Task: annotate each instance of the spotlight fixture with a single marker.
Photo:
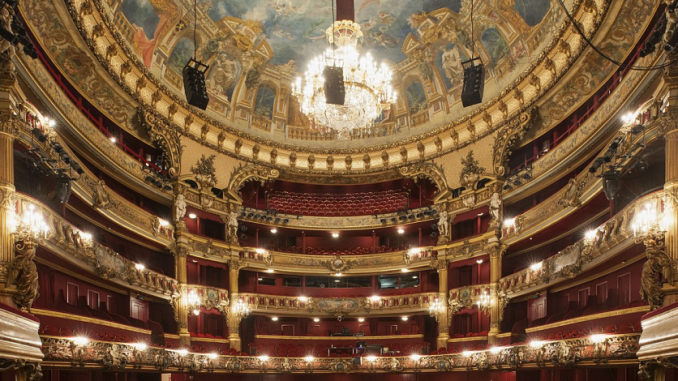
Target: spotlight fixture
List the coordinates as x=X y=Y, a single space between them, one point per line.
x=113 y=139
x=140 y=346
x=316 y=319
x=39 y=135
x=270 y=270
x=80 y=340
x=360 y=320
x=182 y=352
x=611 y=183
x=335 y=235
x=401 y=231
x=192 y=216
x=63 y=186
x=274 y=230
x=139 y=266
x=274 y=318
x=536 y=266
x=404 y=318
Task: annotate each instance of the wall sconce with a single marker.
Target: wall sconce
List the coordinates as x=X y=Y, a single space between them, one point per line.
x=193 y=302
x=30 y=226
x=241 y=309
x=483 y=302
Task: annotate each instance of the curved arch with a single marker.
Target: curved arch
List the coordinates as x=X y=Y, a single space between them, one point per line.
x=246 y=173
x=508 y=137
x=430 y=171
x=164 y=137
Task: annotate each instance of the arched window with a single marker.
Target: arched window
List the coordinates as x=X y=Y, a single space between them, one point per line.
x=416 y=98
x=263 y=105
x=495 y=45
x=181 y=54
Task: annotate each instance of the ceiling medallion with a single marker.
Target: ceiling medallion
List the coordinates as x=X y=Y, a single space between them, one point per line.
x=368 y=89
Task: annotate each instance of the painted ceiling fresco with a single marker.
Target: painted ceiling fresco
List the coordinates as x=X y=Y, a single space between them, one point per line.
x=296 y=28
x=422 y=39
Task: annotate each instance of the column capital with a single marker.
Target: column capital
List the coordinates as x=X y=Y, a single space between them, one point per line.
x=9 y=126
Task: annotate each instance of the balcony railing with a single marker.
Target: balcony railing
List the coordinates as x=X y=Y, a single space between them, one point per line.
x=611 y=238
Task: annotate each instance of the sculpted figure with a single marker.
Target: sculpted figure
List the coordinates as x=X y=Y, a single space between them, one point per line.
x=443 y=224
x=495 y=206
x=179 y=207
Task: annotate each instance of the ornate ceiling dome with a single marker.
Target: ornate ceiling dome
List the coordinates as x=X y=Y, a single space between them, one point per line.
x=256 y=48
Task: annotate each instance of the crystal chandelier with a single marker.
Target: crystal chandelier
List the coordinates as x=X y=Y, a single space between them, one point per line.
x=367 y=86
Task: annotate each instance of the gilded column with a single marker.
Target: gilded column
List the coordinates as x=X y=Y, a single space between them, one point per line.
x=444 y=316
x=233 y=319
x=496 y=301
x=7 y=135
x=671 y=209
x=180 y=301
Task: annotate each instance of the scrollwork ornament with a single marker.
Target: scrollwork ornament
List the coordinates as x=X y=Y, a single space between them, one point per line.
x=651 y=278
x=23 y=273
x=114 y=358
x=33 y=370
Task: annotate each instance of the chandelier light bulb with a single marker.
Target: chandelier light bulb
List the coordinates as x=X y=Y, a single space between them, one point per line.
x=367 y=85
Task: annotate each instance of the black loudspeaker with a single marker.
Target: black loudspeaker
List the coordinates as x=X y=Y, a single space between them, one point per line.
x=63 y=187
x=611 y=183
x=335 y=93
x=474 y=82
x=194 y=84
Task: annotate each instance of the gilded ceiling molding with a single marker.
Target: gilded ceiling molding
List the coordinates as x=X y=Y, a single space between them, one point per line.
x=506 y=139
x=250 y=172
x=85 y=24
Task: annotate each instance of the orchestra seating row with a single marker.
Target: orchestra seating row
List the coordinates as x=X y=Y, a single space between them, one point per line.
x=327 y=204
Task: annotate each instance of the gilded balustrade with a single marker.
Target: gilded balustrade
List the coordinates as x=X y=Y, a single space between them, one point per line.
x=335 y=222
x=582 y=188
x=610 y=238
x=76 y=247
x=593 y=350
x=338 y=306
